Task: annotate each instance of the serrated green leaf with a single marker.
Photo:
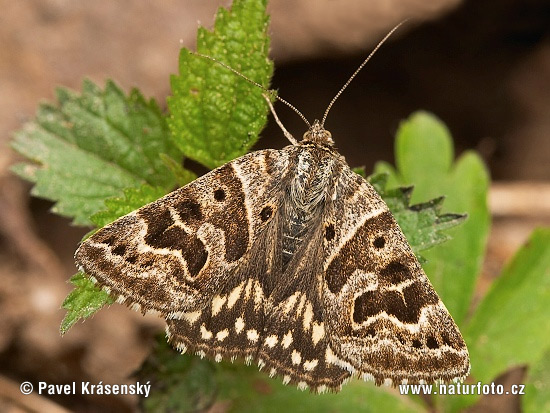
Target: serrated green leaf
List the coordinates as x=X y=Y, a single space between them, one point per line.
x=83 y=301
x=424 y=154
x=133 y=199
x=93 y=145
x=186 y=383
x=360 y=170
x=181 y=175
x=422 y=224
x=511 y=325
x=216 y=115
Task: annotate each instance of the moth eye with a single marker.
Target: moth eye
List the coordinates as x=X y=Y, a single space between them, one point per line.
x=219 y=195
x=266 y=213
x=329 y=232
x=416 y=343
x=379 y=242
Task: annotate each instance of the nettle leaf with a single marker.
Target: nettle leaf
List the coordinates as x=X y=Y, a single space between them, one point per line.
x=187 y=383
x=91 y=146
x=424 y=158
x=83 y=301
x=423 y=224
x=216 y=116
x=133 y=199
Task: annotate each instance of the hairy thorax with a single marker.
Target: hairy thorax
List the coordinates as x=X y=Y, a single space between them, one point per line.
x=307 y=195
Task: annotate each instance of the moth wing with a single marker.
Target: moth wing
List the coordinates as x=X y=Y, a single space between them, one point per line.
x=294 y=343
x=174 y=254
x=231 y=324
x=384 y=319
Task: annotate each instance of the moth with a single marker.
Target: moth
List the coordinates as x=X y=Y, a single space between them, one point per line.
x=286 y=258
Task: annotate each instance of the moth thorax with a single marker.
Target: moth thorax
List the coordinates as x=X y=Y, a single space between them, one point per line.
x=306 y=198
x=318 y=134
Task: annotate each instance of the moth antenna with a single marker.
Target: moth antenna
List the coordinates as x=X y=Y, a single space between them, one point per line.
x=380 y=43
x=287 y=134
x=267 y=91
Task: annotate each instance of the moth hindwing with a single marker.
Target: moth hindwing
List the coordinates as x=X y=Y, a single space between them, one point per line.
x=288 y=259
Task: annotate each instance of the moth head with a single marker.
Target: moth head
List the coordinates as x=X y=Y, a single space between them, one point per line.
x=318 y=134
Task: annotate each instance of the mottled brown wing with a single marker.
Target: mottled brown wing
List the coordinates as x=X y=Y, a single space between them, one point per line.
x=175 y=254
x=294 y=343
x=384 y=320
x=231 y=325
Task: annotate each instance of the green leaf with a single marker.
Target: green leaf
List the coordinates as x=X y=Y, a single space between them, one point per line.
x=424 y=154
x=216 y=115
x=179 y=383
x=187 y=383
x=133 y=199
x=181 y=175
x=90 y=146
x=511 y=325
x=83 y=301
x=423 y=224
x=257 y=392
x=537 y=389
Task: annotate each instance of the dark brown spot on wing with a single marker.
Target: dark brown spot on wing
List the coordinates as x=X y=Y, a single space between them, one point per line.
x=161 y=233
x=357 y=252
x=189 y=210
x=120 y=249
x=431 y=342
x=406 y=308
x=232 y=219
x=266 y=213
x=395 y=273
x=158 y=221
x=219 y=195
x=329 y=232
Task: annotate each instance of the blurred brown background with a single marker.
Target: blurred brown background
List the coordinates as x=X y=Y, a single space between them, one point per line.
x=482 y=67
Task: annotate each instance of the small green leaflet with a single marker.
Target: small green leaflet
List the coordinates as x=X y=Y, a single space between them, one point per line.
x=216 y=116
